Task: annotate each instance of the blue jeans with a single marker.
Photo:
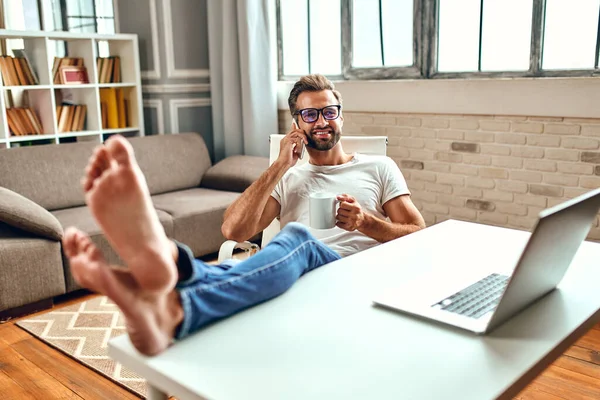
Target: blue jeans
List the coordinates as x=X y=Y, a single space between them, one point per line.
x=211 y=292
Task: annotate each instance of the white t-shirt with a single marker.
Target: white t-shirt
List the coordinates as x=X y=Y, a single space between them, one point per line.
x=371 y=180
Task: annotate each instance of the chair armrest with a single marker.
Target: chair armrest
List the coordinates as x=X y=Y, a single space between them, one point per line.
x=235 y=173
x=22 y=213
x=228 y=247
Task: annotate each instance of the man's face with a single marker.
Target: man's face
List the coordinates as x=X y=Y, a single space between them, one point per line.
x=322 y=134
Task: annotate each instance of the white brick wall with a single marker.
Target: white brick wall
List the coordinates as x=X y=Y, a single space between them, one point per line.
x=510 y=167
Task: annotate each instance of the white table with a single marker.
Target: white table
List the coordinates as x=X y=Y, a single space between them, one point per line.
x=324 y=339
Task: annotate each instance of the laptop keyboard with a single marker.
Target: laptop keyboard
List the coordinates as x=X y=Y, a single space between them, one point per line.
x=478 y=299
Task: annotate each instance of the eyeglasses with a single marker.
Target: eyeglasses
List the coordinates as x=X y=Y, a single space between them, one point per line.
x=310 y=115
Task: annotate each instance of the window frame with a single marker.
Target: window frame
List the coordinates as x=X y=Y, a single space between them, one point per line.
x=350 y=72
x=425 y=50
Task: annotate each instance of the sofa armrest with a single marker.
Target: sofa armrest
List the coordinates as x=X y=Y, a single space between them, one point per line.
x=234 y=173
x=22 y=213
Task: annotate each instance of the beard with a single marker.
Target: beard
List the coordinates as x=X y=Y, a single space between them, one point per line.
x=321 y=144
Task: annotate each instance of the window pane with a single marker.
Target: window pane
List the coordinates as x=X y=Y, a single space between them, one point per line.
x=366 y=44
x=570 y=34
x=325 y=37
x=21 y=15
x=105 y=17
x=80 y=16
x=458 y=37
x=294 y=32
x=506 y=36
x=51 y=15
x=397 y=32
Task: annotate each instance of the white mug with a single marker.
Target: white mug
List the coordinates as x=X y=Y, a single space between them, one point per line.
x=322 y=210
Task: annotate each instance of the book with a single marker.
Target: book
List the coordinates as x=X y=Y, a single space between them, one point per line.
x=116 y=75
x=107 y=70
x=25 y=121
x=72 y=74
x=81 y=119
x=104 y=115
x=75 y=123
x=70 y=116
x=22 y=54
x=9 y=75
x=121 y=108
x=20 y=128
x=63 y=119
x=109 y=97
x=35 y=121
x=20 y=72
x=12 y=123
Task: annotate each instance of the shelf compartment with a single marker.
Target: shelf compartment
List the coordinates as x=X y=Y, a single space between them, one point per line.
x=87 y=96
x=81 y=48
x=110 y=102
x=39 y=100
x=126 y=52
x=37 y=53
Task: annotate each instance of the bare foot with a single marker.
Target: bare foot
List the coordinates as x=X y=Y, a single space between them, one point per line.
x=152 y=317
x=118 y=196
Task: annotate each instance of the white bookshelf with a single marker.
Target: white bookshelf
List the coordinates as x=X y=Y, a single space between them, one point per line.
x=40 y=47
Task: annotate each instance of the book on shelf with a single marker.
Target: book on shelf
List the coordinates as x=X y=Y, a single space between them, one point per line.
x=60 y=65
x=73 y=75
x=70 y=117
x=114 y=108
x=16 y=71
x=109 y=69
x=23 y=121
x=23 y=58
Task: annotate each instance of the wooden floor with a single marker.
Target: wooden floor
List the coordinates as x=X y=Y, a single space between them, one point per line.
x=29 y=369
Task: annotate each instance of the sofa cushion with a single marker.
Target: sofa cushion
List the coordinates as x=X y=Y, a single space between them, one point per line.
x=235 y=173
x=22 y=213
x=81 y=218
x=172 y=162
x=31 y=268
x=197 y=216
x=49 y=175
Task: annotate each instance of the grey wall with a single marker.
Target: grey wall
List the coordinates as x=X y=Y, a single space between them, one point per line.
x=173 y=40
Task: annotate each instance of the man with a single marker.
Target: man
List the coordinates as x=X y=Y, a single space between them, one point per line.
x=165 y=293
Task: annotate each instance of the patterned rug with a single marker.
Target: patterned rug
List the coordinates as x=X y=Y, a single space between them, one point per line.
x=82 y=331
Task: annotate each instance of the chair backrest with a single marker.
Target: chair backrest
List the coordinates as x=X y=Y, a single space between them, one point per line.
x=375 y=145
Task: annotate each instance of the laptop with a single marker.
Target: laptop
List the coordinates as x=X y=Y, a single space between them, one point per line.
x=482 y=303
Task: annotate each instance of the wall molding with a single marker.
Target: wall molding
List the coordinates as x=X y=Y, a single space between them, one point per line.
x=544 y=97
x=155 y=72
x=177 y=88
x=172 y=72
x=160 y=116
x=176 y=104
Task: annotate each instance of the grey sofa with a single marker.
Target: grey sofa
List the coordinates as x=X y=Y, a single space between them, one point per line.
x=40 y=195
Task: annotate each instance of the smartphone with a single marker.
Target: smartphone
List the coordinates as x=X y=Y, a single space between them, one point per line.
x=303 y=144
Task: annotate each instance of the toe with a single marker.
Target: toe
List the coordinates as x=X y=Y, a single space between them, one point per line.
x=103 y=158
x=120 y=150
x=69 y=241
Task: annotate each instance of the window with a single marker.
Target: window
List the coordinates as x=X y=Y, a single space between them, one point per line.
x=60 y=15
x=349 y=38
x=379 y=39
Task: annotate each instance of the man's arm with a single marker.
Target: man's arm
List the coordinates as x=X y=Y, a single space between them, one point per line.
x=254 y=210
x=404 y=216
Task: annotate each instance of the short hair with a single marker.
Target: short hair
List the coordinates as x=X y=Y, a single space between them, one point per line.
x=310 y=83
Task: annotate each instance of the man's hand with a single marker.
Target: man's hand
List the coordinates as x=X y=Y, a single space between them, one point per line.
x=290 y=147
x=350 y=215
